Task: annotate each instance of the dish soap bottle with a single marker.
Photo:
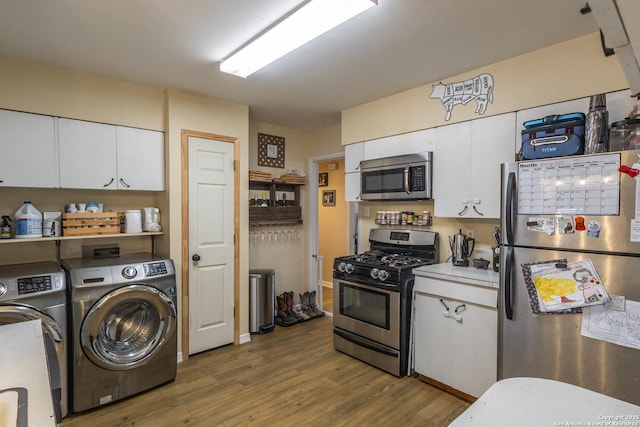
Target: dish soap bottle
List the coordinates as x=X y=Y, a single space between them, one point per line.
x=5 y=228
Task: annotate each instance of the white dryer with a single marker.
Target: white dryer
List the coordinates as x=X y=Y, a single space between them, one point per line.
x=37 y=291
x=124 y=327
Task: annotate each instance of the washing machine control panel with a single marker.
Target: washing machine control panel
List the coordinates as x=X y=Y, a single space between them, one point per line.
x=155 y=269
x=30 y=285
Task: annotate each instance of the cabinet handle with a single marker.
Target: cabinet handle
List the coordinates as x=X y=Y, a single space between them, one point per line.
x=195 y=257
x=477 y=211
x=458 y=309
x=445 y=312
x=124 y=183
x=108 y=183
x=464 y=211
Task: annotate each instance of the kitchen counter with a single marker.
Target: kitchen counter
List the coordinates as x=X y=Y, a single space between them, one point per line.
x=25 y=393
x=539 y=402
x=470 y=275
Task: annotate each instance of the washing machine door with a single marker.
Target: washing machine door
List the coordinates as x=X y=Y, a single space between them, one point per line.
x=53 y=344
x=125 y=327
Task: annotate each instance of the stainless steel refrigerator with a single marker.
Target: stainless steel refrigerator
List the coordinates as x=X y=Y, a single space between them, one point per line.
x=569 y=209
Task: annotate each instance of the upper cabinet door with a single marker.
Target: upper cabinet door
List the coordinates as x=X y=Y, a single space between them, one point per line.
x=491 y=146
x=452 y=170
x=353 y=155
x=466 y=174
x=87 y=154
x=29 y=155
x=140 y=159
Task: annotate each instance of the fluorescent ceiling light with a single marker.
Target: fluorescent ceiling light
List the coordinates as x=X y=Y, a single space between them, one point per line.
x=306 y=23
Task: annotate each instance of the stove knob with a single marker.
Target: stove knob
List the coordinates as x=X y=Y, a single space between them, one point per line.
x=374 y=273
x=129 y=272
x=349 y=268
x=383 y=275
x=341 y=267
x=3 y=289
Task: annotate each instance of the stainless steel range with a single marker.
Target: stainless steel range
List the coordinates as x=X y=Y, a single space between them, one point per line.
x=372 y=296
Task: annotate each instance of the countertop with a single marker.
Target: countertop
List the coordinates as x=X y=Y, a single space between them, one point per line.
x=471 y=275
x=538 y=402
x=24 y=378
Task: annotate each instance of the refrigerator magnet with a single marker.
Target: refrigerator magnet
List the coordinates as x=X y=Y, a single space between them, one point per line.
x=635 y=230
x=593 y=229
x=580 y=224
x=565 y=225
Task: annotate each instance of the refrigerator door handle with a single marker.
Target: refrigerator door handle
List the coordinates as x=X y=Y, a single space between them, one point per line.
x=510 y=211
x=508 y=283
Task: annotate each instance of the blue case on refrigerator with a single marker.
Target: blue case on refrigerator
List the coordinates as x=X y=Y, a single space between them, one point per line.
x=553 y=136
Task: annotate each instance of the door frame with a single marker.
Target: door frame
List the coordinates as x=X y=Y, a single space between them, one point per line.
x=313 y=218
x=185 y=134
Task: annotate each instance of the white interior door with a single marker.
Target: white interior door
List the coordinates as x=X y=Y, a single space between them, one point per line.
x=211 y=244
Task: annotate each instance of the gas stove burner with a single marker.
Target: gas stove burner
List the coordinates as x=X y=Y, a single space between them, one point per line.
x=399 y=261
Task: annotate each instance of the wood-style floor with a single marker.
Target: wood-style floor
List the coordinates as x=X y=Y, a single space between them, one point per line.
x=291 y=376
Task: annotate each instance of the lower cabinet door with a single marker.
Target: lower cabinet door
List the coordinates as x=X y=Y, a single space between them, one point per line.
x=459 y=352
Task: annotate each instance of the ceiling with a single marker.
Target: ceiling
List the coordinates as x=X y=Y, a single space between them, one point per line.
x=390 y=48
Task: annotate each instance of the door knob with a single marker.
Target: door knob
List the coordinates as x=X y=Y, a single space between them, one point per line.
x=195 y=257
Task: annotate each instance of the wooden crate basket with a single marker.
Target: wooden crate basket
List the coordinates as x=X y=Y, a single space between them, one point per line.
x=89 y=223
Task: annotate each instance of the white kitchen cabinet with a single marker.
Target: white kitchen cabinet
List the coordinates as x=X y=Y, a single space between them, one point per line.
x=29 y=153
x=353 y=155
x=87 y=154
x=457 y=349
x=352 y=187
x=466 y=176
x=102 y=156
x=140 y=159
x=397 y=145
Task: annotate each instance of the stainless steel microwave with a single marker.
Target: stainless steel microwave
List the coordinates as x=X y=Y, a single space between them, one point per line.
x=405 y=177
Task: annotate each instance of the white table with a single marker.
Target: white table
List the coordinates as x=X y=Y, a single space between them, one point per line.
x=537 y=402
x=24 y=376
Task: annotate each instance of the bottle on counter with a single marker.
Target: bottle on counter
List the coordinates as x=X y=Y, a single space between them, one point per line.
x=28 y=222
x=5 y=228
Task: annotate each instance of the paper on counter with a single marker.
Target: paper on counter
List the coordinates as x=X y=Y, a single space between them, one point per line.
x=614 y=326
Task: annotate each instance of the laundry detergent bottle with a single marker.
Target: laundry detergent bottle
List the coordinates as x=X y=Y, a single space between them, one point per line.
x=28 y=222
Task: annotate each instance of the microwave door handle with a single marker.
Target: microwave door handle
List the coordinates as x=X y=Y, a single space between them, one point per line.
x=406 y=180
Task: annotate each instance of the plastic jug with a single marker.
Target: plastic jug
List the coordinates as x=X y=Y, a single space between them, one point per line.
x=28 y=222
x=133 y=221
x=151 y=219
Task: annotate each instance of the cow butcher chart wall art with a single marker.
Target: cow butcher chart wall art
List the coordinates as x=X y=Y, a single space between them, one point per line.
x=479 y=88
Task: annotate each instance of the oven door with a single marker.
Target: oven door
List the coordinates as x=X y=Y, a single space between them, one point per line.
x=367 y=311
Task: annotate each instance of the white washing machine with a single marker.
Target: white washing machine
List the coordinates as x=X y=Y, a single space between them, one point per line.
x=37 y=291
x=124 y=327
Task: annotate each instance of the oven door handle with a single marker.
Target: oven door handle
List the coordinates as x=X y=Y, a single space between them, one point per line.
x=365 y=343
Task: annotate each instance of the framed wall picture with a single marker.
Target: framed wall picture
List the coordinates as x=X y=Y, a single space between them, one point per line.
x=270 y=150
x=328 y=197
x=323 y=179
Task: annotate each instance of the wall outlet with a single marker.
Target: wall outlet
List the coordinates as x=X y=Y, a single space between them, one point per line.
x=366 y=212
x=469 y=234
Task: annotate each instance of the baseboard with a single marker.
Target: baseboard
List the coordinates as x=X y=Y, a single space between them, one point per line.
x=327 y=284
x=245 y=338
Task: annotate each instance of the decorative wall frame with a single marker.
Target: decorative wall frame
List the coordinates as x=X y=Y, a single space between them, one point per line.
x=323 y=179
x=270 y=151
x=328 y=197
